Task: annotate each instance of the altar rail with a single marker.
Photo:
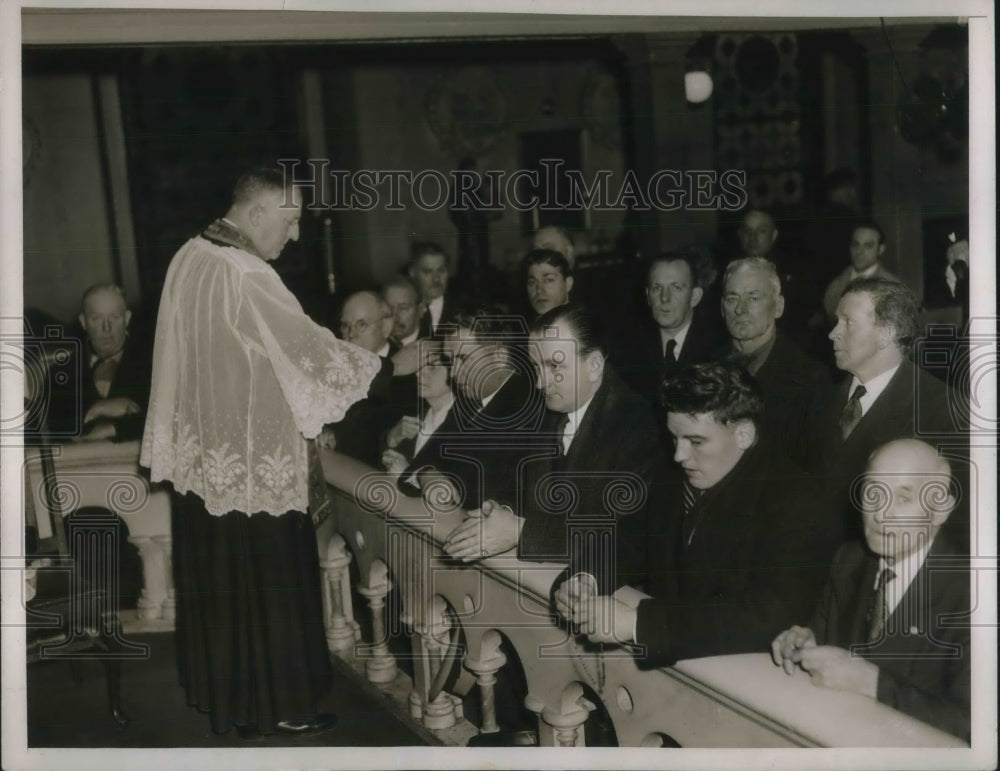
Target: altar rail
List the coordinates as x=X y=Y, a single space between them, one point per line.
x=726 y=701
x=394 y=541
x=108 y=475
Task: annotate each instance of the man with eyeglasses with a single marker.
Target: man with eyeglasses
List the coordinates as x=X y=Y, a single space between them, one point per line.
x=795 y=387
x=366 y=320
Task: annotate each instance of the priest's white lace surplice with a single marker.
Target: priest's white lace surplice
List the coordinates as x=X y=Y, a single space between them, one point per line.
x=241 y=379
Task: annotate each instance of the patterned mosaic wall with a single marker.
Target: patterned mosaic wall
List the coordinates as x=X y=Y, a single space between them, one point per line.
x=758 y=118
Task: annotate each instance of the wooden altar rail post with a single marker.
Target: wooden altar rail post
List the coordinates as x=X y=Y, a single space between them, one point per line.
x=108 y=475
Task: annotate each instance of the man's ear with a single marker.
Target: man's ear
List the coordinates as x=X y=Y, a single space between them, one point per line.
x=886 y=336
x=774 y=236
x=386 y=326
x=881 y=249
x=940 y=511
x=746 y=434
x=82 y=319
x=938 y=499
x=254 y=213
x=696 y=294
x=569 y=284
x=128 y=317
x=594 y=363
x=779 y=306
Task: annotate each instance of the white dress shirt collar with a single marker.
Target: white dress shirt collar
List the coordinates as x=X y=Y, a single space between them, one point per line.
x=575 y=418
x=432 y=422
x=680 y=337
x=866 y=273
x=488 y=399
x=873 y=388
x=436 y=307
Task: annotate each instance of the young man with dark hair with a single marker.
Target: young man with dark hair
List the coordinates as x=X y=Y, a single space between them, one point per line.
x=549 y=279
x=737 y=543
x=867 y=245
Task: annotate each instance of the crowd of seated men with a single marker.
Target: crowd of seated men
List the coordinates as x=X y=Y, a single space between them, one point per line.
x=763 y=486
x=762 y=497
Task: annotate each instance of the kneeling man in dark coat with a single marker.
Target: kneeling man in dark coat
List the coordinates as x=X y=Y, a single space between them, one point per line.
x=737 y=544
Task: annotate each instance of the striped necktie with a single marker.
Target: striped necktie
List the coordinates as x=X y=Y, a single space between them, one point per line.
x=691 y=496
x=426 y=327
x=851 y=415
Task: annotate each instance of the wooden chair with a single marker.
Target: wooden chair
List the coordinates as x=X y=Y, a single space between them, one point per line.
x=73 y=616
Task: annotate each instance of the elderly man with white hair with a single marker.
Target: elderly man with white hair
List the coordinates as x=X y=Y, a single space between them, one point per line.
x=795 y=387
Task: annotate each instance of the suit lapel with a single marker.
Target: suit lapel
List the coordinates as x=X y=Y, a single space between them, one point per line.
x=588 y=433
x=860 y=594
x=888 y=415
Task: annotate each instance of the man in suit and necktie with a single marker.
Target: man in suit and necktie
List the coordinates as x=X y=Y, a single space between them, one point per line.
x=890 y=624
x=738 y=543
x=496 y=417
x=677 y=337
x=404 y=302
x=884 y=397
x=866 y=249
x=598 y=468
x=548 y=278
x=405 y=442
x=366 y=321
x=105 y=396
x=428 y=270
x=795 y=387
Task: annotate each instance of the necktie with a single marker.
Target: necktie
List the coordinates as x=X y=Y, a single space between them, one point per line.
x=670 y=355
x=561 y=422
x=104 y=373
x=879 y=612
x=851 y=415
x=691 y=496
x=426 y=327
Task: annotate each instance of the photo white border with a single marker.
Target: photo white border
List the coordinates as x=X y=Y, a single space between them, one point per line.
x=982 y=208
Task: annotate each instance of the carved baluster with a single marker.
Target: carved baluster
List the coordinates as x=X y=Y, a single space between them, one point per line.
x=562 y=723
x=338 y=611
x=485 y=668
x=381 y=666
x=169 y=605
x=439 y=711
x=154 y=590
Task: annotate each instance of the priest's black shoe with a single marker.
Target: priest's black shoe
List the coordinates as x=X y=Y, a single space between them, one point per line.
x=322 y=722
